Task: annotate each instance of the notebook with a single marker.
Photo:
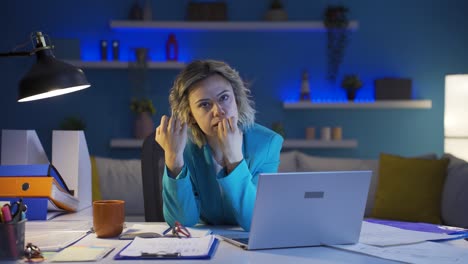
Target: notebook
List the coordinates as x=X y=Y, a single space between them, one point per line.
x=299 y=209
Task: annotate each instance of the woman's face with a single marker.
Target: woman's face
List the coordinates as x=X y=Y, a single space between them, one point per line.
x=212 y=100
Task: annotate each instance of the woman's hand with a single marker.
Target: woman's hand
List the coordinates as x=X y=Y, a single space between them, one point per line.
x=230 y=142
x=171 y=134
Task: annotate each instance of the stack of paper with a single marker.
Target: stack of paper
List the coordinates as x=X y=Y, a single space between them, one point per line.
x=406 y=245
x=382 y=235
x=55 y=235
x=82 y=253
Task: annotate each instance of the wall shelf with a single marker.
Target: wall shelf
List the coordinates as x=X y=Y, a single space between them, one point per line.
x=126 y=143
x=289 y=143
x=223 y=26
x=125 y=64
x=381 y=104
x=305 y=143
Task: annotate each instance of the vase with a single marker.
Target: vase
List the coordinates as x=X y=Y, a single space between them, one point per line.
x=143 y=125
x=136 y=12
x=351 y=93
x=276 y=15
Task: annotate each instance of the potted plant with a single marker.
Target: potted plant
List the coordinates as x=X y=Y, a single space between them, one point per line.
x=278 y=128
x=276 y=12
x=336 y=22
x=144 y=109
x=73 y=123
x=351 y=84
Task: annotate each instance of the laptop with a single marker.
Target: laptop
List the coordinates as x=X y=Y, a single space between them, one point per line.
x=300 y=209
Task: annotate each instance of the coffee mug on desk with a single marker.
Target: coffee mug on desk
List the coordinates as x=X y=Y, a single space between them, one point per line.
x=108 y=217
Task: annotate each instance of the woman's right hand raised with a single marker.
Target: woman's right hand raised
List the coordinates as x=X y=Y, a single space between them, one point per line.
x=171 y=134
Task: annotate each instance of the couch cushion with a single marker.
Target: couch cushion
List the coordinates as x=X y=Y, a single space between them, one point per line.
x=455 y=193
x=120 y=179
x=288 y=161
x=313 y=163
x=409 y=189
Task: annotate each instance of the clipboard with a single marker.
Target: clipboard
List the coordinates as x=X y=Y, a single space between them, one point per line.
x=144 y=256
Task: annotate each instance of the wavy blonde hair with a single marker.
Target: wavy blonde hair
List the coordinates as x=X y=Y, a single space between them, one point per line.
x=197 y=71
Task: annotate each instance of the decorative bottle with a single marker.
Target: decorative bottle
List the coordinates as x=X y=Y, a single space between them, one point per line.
x=136 y=12
x=115 y=50
x=305 y=90
x=103 y=46
x=147 y=11
x=172 y=49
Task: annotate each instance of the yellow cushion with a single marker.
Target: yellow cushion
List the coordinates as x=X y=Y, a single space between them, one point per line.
x=95 y=180
x=410 y=189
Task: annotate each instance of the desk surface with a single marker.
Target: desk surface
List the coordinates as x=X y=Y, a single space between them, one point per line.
x=227 y=253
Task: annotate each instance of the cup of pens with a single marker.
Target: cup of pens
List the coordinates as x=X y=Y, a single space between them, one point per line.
x=12 y=240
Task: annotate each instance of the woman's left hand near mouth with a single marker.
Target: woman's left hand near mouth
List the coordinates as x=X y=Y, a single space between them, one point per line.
x=230 y=141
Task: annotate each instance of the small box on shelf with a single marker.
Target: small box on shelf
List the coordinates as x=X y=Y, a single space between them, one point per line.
x=392 y=89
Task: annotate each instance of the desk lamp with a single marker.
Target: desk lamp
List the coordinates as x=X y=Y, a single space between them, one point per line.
x=48 y=77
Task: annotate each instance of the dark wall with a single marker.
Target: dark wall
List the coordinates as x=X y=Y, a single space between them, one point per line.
x=412 y=39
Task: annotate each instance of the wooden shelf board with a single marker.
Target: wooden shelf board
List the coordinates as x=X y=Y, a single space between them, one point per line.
x=303 y=143
x=124 y=64
x=126 y=143
x=224 y=25
x=382 y=104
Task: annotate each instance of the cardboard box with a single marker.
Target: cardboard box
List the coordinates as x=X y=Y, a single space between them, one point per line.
x=393 y=89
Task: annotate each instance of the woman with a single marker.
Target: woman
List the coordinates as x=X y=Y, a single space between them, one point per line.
x=212 y=175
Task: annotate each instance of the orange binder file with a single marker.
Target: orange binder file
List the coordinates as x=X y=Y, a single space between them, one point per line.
x=38 y=187
x=41 y=181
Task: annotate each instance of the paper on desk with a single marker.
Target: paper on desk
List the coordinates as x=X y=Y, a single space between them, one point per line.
x=382 y=235
x=45 y=226
x=82 y=253
x=424 y=253
x=187 y=247
x=160 y=228
x=53 y=240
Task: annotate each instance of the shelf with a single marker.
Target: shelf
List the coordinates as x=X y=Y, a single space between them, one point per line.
x=223 y=26
x=382 y=104
x=303 y=143
x=290 y=143
x=125 y=64
x=126 y=143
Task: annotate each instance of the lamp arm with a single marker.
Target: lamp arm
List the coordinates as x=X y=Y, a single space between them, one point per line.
x=17 y=54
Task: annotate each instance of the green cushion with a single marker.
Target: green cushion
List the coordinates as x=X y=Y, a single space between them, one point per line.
x=410 y=189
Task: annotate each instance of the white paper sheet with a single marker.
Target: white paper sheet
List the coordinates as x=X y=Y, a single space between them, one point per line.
x=187 y=247
x=424 y=253
x=382 y=235
x=160 y=228
x=53 y=240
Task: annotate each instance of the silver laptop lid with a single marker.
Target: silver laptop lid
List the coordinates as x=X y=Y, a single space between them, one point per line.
x=308 y=209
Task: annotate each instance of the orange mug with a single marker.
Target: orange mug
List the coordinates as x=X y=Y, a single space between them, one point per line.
x=108 y=217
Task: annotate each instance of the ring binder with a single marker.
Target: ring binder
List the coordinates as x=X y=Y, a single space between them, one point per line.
x=160 y=255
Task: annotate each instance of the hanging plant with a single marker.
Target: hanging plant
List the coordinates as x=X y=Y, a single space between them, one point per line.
x=336 y=22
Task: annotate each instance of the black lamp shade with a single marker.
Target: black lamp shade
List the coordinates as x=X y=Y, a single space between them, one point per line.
x=50 y=77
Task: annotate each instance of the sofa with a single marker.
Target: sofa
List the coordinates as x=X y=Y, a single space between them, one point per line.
x=123 y=179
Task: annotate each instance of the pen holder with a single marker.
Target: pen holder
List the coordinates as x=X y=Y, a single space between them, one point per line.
x=12 y=240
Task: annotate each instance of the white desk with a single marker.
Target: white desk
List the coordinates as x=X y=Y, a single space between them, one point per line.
x=227 y=253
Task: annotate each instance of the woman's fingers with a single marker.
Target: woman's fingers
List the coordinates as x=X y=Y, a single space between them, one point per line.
x=233 y=123
x=163 y=125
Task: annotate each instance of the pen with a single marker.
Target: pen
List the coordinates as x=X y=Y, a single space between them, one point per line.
x=6 y=214
x=10 y=230
x=167 y=231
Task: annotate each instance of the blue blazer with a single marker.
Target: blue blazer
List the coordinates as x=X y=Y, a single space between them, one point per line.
x=198 y=193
